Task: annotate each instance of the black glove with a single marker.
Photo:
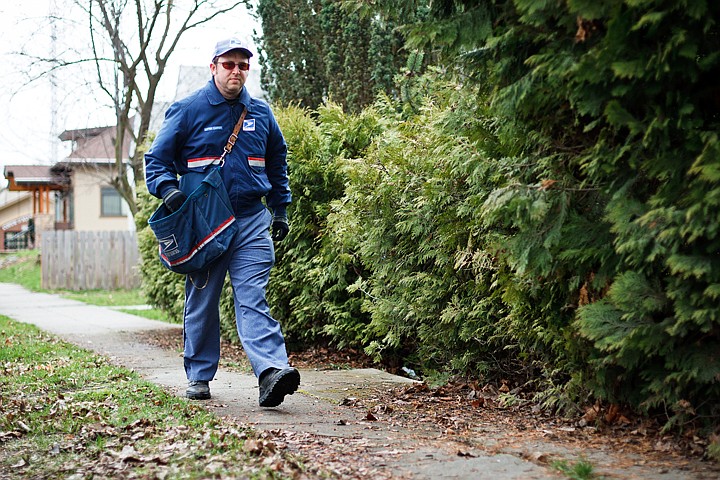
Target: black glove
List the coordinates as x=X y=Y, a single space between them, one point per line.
x=280 y=228
x=174 y=199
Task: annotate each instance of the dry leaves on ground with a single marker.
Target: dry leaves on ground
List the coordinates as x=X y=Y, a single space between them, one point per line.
x=464 y=411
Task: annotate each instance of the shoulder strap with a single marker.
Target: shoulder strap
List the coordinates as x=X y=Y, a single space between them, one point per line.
x=233 y=137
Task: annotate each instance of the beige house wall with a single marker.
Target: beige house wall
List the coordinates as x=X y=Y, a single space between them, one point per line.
x=16 y=208
x=87 y=186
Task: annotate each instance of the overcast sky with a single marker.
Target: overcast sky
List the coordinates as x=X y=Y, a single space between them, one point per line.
x=26 y=119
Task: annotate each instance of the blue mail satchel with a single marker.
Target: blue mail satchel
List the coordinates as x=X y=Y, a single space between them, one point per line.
x=201 y=230
x=198 y=232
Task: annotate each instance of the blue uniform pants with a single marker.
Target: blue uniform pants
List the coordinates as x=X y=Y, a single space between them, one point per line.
x=248 y=262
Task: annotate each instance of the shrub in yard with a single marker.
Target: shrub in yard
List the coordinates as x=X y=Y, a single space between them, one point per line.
x=404 y=217
x=624 y=98
x=608 y=217
x=308 y=290
x=548 y=200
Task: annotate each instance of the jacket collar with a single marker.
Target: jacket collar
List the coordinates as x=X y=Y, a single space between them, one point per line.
x=215 y=97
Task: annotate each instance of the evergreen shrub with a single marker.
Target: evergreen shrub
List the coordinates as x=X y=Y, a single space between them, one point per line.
x=604 y=224
x=551 y=203
x=612 y=207
x=308 y=291
x=640 y=80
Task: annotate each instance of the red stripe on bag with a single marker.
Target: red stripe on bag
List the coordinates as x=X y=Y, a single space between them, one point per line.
x=202 y=243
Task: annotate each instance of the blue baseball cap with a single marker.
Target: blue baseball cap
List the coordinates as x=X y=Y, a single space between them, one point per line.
x=224 y=46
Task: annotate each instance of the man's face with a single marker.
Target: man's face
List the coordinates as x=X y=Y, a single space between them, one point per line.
x=230 y=81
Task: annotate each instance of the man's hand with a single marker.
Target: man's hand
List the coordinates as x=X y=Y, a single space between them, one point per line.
x=280 y=228
x=174 y=199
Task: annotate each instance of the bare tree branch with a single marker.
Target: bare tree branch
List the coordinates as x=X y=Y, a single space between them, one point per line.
x=143 y=35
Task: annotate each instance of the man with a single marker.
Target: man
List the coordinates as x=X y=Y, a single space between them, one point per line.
x=191 y=139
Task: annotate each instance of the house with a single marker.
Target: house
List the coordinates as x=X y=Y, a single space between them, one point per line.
x=27 y=204
x=73 y=194
x=92 y=203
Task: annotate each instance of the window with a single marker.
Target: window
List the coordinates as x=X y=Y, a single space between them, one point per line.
x=64 y=205
x=112 y=204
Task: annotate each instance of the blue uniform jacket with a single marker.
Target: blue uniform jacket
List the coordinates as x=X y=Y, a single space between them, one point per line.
x=193 y=135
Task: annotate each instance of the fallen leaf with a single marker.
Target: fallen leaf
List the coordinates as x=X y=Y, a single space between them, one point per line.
x=591 y=414
x=129 y=454
x=540 y=457
x=252 y=446
x=612 y=414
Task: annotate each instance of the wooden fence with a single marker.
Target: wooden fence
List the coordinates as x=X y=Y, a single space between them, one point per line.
x=89 y=260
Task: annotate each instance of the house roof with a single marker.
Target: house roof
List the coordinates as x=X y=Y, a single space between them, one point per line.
x=24 y=177
x=29 y=177
x=28 y=174
x=81 y=133
x=90 y=146
x=94 y=145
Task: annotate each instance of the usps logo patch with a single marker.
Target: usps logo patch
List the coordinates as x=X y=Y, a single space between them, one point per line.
x=169 y=245
x=249 y=125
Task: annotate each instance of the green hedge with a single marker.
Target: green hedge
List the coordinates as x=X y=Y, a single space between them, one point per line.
x=621 y=100
x=557 y=221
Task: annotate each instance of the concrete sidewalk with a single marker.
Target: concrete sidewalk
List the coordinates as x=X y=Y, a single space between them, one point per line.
x=315 y=409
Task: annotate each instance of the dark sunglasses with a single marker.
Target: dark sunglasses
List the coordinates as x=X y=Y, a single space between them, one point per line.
x=232 y=65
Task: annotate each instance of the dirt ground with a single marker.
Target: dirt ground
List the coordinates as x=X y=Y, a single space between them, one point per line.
x=490 y=419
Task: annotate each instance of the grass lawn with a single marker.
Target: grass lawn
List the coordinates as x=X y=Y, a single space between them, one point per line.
x=66 y=412
x=21 y=267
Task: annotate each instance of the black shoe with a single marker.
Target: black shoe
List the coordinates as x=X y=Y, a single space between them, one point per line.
x=275 y=384
x=198 y=390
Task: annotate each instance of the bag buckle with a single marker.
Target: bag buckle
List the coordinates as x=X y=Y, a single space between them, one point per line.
x=233 y=137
